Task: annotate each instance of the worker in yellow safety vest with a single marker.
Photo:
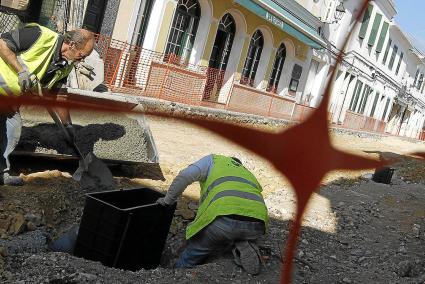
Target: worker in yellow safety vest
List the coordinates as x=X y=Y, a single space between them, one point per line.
x=231 y=213
x=30 y=56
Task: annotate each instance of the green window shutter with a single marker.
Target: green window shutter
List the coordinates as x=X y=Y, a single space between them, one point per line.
x=382 y=37
x=384 y=60
x=365 y=22
x=354 y=94
x=384 y=115
x=392 y=58
x=399 y=63
x=372 y=112
x=375 y=28
x=357 y=95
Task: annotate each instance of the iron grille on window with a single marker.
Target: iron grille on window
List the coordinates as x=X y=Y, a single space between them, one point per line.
x=183 y=30
x=277 y=69
x=252 y=59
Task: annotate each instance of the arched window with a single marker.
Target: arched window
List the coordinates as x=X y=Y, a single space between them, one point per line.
x=183 y=31
x=277 y=69
x=223 y=43
x=252 y=58
x=220 y=56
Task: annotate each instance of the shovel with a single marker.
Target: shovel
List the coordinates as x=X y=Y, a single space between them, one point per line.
x=92 y=173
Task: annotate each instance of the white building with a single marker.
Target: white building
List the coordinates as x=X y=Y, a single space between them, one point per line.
x=379 y=86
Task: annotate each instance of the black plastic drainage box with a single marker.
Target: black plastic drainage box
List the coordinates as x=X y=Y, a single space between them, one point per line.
x=124 y=229
x=383 y=175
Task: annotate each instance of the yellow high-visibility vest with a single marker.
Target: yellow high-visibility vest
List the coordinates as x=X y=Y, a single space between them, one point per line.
x=36 y=60
x=230 y=189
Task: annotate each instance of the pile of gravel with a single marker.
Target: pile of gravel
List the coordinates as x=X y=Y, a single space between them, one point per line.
x=108 y=135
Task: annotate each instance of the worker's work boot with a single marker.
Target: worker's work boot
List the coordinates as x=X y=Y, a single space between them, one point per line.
x=247 y=255
x=7 y=179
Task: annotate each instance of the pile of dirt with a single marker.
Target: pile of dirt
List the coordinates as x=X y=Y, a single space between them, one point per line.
x=412 y=170
x=355 y=230
x=351 y=234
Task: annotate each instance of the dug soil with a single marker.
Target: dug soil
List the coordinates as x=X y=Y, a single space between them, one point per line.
x=355 y=230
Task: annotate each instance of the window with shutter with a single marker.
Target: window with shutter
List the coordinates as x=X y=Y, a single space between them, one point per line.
x=384 y=115
x=399 y=63
x=356 y=94
x=416 y=77
x=375 y=28
x=365 y=22
x=420 y=81
x=387 y=50
x=368 y=90
x=382 y=36
x=375 y=102
x=392 y=59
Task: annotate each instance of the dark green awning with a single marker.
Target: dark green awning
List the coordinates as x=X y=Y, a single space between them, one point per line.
x=284 y=20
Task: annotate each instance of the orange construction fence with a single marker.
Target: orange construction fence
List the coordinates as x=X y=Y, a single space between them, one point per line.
x=134 y=70
x=361 y=122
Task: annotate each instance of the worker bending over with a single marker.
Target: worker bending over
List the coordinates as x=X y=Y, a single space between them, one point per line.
x=231 y=213
x=29 y=56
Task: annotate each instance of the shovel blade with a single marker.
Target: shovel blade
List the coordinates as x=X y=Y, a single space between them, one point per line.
x=93 y=174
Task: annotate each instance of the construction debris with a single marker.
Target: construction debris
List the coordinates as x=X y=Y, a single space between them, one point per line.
x=357 y=231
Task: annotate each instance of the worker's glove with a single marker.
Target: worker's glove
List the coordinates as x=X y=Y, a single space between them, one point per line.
x=85 y=69
x=71 y=132
x=26 y=80
x=162 y=202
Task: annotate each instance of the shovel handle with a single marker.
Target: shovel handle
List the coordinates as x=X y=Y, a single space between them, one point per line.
x=59 y=123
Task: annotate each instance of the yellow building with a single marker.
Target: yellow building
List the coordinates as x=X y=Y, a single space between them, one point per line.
x=249 y=50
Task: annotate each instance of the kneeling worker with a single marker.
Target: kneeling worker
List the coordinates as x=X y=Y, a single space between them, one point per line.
x=231 y=213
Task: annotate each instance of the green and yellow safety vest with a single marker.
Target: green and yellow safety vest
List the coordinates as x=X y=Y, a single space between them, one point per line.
x=230 y=189
x=37 y=60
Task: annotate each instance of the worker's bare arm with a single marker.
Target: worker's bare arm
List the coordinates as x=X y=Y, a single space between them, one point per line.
x=9 y=57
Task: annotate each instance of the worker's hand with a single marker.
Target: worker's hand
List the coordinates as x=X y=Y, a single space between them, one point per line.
x=71 y=132
x=162 y=202
x=26 y=80
x=86 y=69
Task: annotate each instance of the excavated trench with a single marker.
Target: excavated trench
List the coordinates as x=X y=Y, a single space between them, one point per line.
x=120 y=141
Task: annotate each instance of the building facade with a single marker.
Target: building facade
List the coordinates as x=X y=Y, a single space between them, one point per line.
x=257 y=46
x=379 y=85
x=267 y=57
